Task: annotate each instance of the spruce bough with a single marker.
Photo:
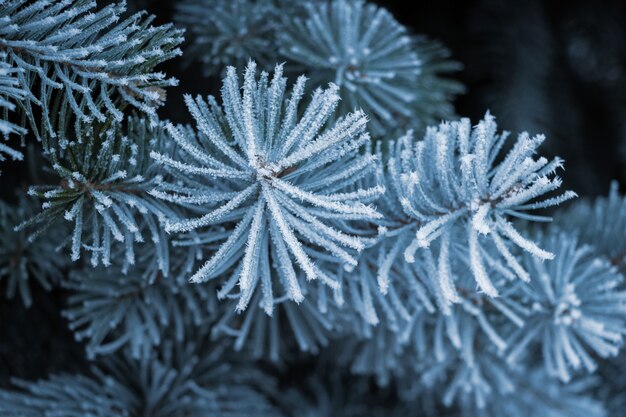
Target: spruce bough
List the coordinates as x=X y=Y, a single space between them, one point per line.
x=307 y=215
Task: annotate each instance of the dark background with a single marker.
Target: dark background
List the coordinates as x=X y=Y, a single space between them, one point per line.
x=550 y=67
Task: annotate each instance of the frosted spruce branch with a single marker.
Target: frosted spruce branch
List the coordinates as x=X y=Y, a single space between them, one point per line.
x=76 y=62
x=109 y=308
x=281 y=185
x=452 y=181
x=572 y=312
x=576 y=308
x=104 y=178
x=412 y=324
x=376 y=63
